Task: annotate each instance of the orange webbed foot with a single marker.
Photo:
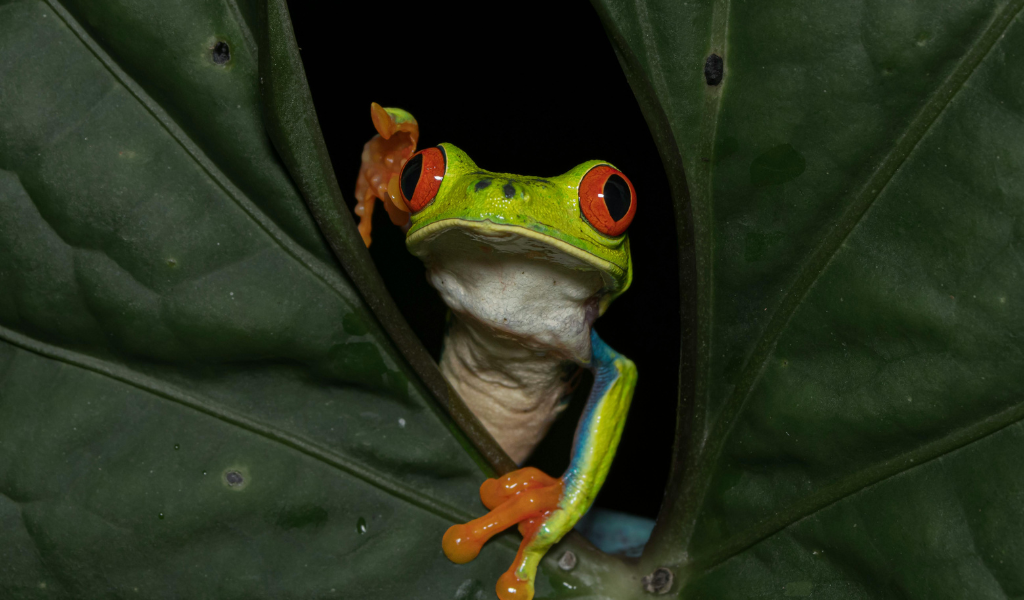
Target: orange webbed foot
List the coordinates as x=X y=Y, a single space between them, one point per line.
x=494 y=492
x=524 y=497
x=382 y=161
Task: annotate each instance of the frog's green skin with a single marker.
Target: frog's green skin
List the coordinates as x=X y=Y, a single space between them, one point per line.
x=525 y=276
x=542 y=208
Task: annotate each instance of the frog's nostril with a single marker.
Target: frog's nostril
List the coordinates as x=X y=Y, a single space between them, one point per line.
x=482 y=184
x=509 y=191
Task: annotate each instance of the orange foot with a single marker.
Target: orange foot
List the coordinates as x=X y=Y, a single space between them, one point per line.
x=526 y=496
x=383 y=158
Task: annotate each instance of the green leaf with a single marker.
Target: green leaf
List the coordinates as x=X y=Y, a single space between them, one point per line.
x=852 y=362
x=195 y=400
x=205 y=392
x=778 y=165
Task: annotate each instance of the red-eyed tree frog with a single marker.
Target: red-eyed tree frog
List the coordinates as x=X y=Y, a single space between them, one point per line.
x=525 y=265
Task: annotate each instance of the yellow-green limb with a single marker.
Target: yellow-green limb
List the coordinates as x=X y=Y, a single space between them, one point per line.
x=597 y=439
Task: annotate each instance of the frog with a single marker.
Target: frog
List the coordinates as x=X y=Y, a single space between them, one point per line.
x=525 y=265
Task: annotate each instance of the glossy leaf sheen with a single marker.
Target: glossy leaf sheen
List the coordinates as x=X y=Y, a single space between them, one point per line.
x=852 y=385
x=195 y=402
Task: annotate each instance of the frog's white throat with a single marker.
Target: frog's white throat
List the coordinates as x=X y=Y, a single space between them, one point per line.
x=519 y=314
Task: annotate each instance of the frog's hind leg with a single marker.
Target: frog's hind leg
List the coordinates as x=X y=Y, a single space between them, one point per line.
x=462 y=543
x=539 y=534
x=544 y=507
x=527 y=497
x=494 y=492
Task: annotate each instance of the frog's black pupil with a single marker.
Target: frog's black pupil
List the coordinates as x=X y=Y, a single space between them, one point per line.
x=616 y=196
x=411 y=175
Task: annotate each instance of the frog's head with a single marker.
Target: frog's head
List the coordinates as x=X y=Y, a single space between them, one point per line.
x=577 y=220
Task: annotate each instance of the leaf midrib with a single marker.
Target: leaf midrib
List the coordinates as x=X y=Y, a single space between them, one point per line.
x=808 y=275
x=331 y=279
x=858 y=481
x=164 y=390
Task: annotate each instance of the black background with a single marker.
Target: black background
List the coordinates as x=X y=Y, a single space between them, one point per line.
x=525 y=87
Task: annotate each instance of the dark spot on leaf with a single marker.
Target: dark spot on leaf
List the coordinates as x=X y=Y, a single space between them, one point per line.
x=306 y=515
x=714 y=69
x=509 y=190
x=234 y=478
x=778 y=165
x=658 y=582
x=568 y=561
x=483 y=184
x=221 y=53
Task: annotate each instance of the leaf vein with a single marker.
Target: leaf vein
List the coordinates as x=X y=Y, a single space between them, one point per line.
x=203 y=405
x=832 y=241
x=329 y=277
x=861 y=480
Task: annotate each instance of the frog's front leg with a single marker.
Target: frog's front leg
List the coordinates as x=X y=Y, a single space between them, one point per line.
x=382 y=161
x=544 y=507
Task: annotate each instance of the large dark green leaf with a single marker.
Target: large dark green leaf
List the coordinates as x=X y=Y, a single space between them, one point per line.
x=195 y=400
x=852 y=386
x=204 y=391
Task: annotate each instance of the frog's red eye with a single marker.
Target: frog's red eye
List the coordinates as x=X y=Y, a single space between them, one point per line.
x=421 y=177
x=608 y=200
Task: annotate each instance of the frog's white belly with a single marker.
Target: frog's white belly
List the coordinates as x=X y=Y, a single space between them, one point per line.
x=517 y=318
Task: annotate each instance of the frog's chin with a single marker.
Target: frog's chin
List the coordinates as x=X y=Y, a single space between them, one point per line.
x=521 y=289
x=495 y=237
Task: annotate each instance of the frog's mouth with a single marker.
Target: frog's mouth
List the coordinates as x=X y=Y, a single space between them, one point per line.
x=494 y=237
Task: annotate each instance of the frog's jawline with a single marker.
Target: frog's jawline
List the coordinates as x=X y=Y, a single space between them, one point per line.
x=611 y=272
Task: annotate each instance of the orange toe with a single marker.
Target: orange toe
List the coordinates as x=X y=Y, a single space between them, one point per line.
x=493 y=492
x=511 y=587
x=462 y=543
